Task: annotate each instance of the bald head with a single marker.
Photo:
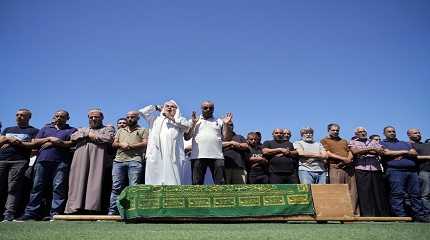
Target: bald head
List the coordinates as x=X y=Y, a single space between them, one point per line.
x=132 y=118
x=208 y=108
x=414 y=135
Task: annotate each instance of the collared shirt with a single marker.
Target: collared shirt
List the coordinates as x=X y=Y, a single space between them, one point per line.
x=366 y=162
x=137 y=135
x=207 y=139
x=55 y=154
x=405 y=163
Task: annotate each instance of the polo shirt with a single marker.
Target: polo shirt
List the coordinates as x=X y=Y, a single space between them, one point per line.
x=391 y=162
x=207 y=139
x=281 y=164
x=16 y=153
x=55 y=154
x=137 y=135
x=423 y=149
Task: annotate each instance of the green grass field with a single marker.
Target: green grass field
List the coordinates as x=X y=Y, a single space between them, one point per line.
x=115 y=230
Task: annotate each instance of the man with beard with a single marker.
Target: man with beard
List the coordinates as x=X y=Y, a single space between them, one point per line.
x=15 y=150
x=129 y=162
x=312 y=157
x=90 y=163
x=423 y=151
x=281 y=156
x=208 y=133
x=368 y=172
x=165 y=154
x=52 y=166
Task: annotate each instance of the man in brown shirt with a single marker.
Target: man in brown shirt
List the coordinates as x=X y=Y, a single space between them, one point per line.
x=341 y=168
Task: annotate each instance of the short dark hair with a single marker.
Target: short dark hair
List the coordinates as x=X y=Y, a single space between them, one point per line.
x=121 y=119
x=331 y=125
x=389 y=126
x=373 y=136
x=25 y=110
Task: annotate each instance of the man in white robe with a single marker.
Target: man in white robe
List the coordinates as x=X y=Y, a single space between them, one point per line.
x=165 y=152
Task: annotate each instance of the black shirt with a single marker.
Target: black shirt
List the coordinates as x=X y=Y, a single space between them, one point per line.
x=423 y=149
x=16 y=153
x=283 y=163
x=257 y=167
x=234 y=158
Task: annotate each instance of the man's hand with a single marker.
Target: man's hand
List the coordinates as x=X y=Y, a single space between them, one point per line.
x=194 y=118
x=92 y=136
x=54 y=140
x=14 y=141
x=285 y=151
x=46 y=145
x=124 y=146
x=228 y=118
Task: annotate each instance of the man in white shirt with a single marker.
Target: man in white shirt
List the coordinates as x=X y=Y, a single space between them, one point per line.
x=207 y=135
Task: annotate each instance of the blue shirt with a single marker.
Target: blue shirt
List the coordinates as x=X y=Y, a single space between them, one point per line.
x=402 y=164
x=17 y=153
x=55 y=154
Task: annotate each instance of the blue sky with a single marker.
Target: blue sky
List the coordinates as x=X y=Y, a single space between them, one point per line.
x=272 y=63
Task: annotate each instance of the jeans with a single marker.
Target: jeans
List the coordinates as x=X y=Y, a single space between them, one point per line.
x=312 y=177
x=130 y=172
x=11 y=184
x=45 y=173
x=424 y=178
x=402 y=182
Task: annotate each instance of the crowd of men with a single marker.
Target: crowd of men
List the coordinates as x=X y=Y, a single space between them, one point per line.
x=83 y=171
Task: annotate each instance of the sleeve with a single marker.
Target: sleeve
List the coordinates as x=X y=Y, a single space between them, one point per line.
x=81 y=133
x=145 y=134
x=296 y=145
x=41 y=133
x=322 y=148
x=34 y=133
x=266 y=144
x=106 y=135
x=148 y=113
x=183 y=123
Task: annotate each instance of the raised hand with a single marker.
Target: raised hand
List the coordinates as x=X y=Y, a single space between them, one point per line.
x=194 y=118
x=228 y=118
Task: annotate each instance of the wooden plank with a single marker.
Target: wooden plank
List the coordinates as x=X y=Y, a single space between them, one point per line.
x=88 y=217
x=332 y=201
x=299 y=218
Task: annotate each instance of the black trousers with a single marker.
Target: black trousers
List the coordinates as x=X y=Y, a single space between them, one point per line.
x=372 y=194
x=283 y=178
x=200 y=165
x=255 y=178
x=11 y=183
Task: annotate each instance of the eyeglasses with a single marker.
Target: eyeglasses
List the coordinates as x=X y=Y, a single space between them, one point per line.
x=207 y=108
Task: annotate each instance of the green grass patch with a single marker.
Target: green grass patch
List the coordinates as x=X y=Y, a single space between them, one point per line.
x=115 y=230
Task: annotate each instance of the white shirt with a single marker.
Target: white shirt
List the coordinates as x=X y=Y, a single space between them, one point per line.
x=207 y=139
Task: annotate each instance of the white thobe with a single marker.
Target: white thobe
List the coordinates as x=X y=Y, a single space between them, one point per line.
x=165 y=151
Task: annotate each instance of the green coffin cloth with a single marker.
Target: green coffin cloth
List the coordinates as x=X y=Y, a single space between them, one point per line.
x=149 y=201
